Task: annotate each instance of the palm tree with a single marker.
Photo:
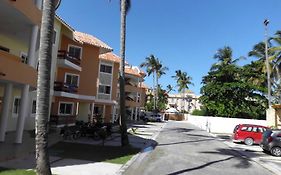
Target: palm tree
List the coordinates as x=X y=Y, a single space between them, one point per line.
x=150 y=64
x=43 y=88
x=183 y=81
x=169 y=88
x=125 y=6
x=258 y=51
x=224 y=57
x=159 y=70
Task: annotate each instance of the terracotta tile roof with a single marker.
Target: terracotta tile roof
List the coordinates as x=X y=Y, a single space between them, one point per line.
x=110 y=57
x=91 y=40
x=129 y=70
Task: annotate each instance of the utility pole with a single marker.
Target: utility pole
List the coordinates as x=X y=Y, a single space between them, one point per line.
x=266 y=22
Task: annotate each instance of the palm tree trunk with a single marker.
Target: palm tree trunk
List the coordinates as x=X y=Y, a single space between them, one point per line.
x=123 y=117
x=154 y=93
x=43 y=88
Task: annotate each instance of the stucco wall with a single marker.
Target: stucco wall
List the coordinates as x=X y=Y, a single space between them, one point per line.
x=219 y=124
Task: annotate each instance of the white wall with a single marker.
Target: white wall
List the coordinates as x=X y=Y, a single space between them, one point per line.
x=220 y=124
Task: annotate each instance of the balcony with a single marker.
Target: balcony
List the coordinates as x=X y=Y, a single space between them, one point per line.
x=67 y=61
x=12 y=69
x=61 y=86
x=57 y=120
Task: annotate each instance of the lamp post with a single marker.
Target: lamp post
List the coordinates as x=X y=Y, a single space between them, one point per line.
x=266 y=22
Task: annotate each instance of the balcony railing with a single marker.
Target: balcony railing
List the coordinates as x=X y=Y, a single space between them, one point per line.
x=63 y=54
x=61 y=86
x=62 y=119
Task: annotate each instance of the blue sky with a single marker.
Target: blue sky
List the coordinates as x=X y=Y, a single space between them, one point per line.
x=183 y=34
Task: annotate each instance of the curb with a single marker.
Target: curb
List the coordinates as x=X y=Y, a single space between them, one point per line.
x=148 y=147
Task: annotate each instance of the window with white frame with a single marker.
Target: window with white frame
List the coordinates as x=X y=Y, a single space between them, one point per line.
x=74 y=51
x=104 y=89
x=16 y=105
x=23 y=57
x=72 y=79
x=33 y=107
x=106 y=68
x=66 y=108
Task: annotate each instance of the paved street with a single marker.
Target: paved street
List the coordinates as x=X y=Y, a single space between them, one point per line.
x=185 y=149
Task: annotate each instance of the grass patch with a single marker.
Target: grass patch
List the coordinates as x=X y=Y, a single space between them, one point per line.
x=5 y=171
x=96 y=153
x=120 y=160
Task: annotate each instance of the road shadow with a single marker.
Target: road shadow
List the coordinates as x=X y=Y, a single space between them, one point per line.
x=242 y=163
x=185 y=142
x=179 y=130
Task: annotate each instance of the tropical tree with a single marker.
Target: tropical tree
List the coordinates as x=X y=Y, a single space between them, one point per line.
x=150 y=64
x=169 y=88
x=125 y=6
x=230 y=91
x=183 y=82
x=43 y=88
x=159 y=70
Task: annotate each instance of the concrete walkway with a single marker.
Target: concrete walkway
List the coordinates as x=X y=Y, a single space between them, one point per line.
x=141 y=136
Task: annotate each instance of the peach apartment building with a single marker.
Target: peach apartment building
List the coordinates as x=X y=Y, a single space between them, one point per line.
x=135 y=91
x=19 y=21
x=84 y=76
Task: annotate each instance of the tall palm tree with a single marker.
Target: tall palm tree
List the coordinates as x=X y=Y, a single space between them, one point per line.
x=150 y=64
x=43 y=88
x=183 y=82
x=224 y=57
x=125 y=6
x=159 y=71
x=258 y=52
x=169 y=88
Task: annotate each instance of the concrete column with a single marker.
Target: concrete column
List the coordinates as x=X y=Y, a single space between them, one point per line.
x=7 y=101
x=32 y=46
x=132 y=113
x=22 y=113
x=136 y=114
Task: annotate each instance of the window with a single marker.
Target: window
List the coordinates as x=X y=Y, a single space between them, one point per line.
x=54 y=37
x=16 y=105
x=74 y=51
x=72 y=79
x=66 y=108
x=33 y=107
x=105 y=68
x=249 y=128
x=104 y=89
x=255 y=129
x=23 y=57
x=244 y=128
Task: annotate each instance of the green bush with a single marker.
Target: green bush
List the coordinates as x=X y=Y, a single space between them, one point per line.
x=200 y=112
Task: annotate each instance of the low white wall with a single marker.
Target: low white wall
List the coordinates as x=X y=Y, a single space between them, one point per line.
x=220 y=124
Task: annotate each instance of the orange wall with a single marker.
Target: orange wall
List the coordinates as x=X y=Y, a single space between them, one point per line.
x=27 y=8
x=89 y=73
x=89 y=65
x=15 y=70
x=108 y=111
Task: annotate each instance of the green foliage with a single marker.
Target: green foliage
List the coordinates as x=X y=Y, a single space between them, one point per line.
x=200 y=112
x=232 y=91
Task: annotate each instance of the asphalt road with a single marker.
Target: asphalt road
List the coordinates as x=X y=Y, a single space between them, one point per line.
x=185 y=149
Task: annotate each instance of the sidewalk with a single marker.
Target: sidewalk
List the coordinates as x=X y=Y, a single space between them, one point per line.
x=140 y=136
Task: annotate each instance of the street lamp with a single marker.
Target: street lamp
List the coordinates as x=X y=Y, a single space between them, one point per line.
x=57 y=4
x=266 y=22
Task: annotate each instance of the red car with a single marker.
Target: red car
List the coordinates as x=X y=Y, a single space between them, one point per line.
x=248 y=133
